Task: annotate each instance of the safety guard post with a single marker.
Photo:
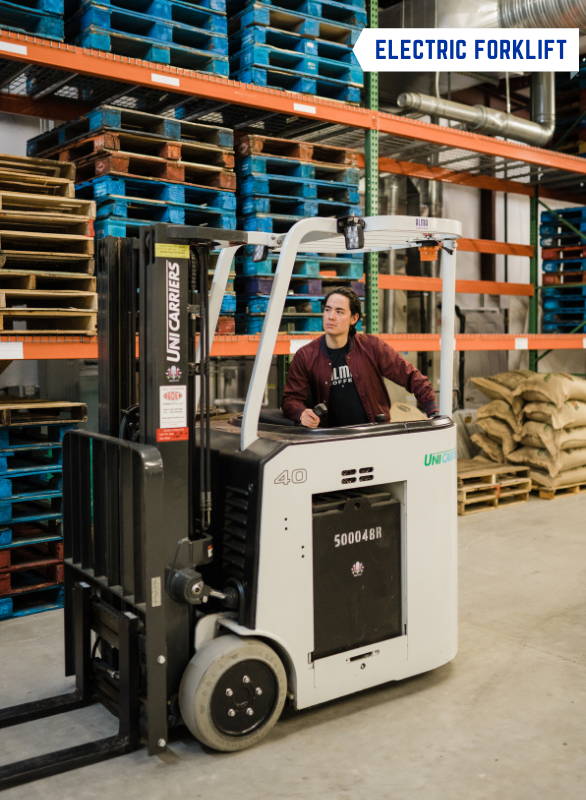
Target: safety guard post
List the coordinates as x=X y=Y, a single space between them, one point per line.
x=448 y=276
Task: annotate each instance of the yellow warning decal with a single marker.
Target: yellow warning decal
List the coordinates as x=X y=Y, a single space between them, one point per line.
x=163 y=250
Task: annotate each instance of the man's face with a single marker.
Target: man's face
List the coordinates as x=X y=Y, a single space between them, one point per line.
x=337 y=317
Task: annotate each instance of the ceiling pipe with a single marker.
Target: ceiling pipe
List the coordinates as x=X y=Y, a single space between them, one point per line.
x=537 y=131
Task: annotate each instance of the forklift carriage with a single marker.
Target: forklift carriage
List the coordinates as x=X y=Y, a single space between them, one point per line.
x=216 y=567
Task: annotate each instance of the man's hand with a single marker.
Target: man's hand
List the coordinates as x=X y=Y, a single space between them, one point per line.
x=309 y=419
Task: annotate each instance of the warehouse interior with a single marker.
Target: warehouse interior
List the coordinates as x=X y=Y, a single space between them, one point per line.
x=130 y=129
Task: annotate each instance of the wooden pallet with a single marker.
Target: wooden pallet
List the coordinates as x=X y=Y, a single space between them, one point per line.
x=31 y=555
x=130 y=165
x=48 y=300
x=47 y=321
x=78 y=210
x=25 y=279
x=254 y=144
x=483 y=485
x=41 y=167
x=547 y=493
x=34 y=243
x=42 y=262
x=41 y=412
x=15 y=181
x=143 y=144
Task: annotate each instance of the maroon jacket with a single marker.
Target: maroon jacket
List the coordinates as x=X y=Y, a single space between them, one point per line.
x=369 y=359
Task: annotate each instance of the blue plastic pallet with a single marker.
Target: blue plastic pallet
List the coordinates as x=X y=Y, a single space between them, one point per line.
x=155 y=189
x=164 y=30
x=133 y=208
x=19 y=511
x=559 y=228
x=27 y=534
x=56 y=7
x=568 y=264
x=290 y=81
x=228 y=304
x=33 y=602
x=30 y=463
x=275 y=223
x=16 y=17
x=246 y=285
x=330 y=21
x=142 y=47
x=43 y=481
x=198 y=15
x=274 y=166
x=561 y=327
x=290 y=186
x=339 y=73
x=255 y=304
x=123 y=227
x=297 y=207
x=305 y=266
x=253 y=324
x=291 y=40
x=126 y=120
x=576 y=212
x=561 y=239
x=15 y=435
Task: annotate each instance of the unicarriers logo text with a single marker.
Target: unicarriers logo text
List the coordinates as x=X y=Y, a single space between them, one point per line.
x=173 y=317
x=443 y=457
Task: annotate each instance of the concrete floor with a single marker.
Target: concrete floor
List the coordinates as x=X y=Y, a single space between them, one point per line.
x=506 y=720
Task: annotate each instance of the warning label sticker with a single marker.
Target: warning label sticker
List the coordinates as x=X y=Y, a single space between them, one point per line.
x=172 y=434
x=163 y=250
x=172 y=406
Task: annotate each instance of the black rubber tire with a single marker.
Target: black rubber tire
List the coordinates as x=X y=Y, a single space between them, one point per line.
x=199 y=681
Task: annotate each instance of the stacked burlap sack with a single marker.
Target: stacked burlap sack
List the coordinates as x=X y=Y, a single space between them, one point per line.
x=535 y=419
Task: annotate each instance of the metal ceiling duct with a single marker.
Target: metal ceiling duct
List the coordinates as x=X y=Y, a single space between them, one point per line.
x=488 y=14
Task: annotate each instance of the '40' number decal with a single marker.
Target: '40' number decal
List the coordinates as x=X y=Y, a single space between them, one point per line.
x=286 y=477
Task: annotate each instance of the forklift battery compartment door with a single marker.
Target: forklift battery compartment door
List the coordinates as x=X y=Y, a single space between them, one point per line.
x=358 y=606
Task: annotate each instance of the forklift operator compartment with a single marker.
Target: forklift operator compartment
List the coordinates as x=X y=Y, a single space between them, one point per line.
x=217 y=568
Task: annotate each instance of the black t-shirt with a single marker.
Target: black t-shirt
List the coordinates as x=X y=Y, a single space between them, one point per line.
x=344 y=406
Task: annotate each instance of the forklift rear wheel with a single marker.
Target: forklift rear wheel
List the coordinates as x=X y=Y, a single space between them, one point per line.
x=232 y=692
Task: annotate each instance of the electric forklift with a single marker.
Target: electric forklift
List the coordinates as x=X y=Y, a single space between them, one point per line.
x=219 y=567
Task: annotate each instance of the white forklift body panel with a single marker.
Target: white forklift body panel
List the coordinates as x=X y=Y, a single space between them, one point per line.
x=304 y=608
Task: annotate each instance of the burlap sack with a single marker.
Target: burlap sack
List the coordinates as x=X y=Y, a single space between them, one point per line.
x=571 y=415
x=498 y=391
x=489 y=447
x=551 y=387
x=513 y=378
x=543 y=460
x=500 y=409
x=499 y=431
x=566 y=478
x=540 y=434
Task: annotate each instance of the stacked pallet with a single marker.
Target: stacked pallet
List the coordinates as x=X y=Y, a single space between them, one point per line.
x=143 y=168
x=302 y=46
x=483 y=485
x=46 y=250
x=176 y=32
x=563 y=297
x=279 y=182
x=38 y=17
x=31 y=546
x=538 y=421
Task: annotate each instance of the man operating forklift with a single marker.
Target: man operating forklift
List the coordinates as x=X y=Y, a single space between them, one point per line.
x=342 y=371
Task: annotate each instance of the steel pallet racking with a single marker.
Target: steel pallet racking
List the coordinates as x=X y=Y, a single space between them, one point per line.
x=54 y=80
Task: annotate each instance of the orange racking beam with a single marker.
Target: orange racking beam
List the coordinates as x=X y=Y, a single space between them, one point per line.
x=231 y=346
x=29 y=49
x=413 y=169
x=47 y=109
x=415 y=283
x=490 y=246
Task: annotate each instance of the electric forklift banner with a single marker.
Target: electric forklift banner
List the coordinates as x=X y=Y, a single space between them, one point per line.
x=468 y=49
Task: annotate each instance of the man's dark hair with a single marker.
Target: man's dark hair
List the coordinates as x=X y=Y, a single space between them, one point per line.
x=353 y=300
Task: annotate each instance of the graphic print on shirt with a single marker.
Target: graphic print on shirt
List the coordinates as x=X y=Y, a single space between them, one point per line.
x=341 y=375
